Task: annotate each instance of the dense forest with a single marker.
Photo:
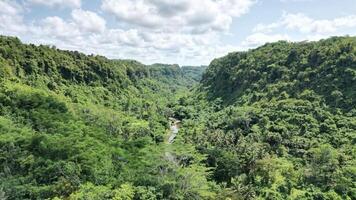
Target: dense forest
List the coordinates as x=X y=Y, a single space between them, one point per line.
x=276 y=122
x=279 y=121
x=84 y=127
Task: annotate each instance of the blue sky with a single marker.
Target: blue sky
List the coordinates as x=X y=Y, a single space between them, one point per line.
x=187 y=32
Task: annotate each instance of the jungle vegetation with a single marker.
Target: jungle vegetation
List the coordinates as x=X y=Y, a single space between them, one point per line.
x=275 y=122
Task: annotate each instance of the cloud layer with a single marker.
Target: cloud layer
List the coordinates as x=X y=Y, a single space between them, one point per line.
x=60 y=3
x=198 y=16
x=299 y=23
x=172 y=31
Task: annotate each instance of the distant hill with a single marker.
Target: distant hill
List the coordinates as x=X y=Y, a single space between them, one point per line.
x=186 y=76
x=193 y=73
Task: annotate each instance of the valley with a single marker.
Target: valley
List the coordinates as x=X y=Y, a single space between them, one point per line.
x=275 y=122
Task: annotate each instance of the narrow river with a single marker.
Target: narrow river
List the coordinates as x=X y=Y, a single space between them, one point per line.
x=173 y=130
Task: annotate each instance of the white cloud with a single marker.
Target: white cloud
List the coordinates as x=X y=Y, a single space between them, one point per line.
x=258 y=39
x=174 y=31
x=170 y=31
x=58 y=28
x=149 y=47
x=296 y=27
x=196 y=16
x=304 y=24
x=181 y=31
x=83 y=26
x=10 y=7
x=118 y=37
x=88 y=21
x=61 y=3
x=133 y=12
x=11 y=20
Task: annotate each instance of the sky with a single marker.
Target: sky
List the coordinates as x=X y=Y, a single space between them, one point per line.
x=184 y=32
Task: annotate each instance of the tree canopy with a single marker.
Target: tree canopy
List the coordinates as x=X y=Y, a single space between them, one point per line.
x=276 y=122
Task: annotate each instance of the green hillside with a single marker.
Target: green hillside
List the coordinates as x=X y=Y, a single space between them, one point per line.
x=279 y=121
x=276 y=122
x=175 y=76
x=86 y=127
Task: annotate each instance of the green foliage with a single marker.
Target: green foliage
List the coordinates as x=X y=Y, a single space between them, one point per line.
x=74 y=126
x=89 y=191
x=125 y=192
x=326 y=68
x=278 y=122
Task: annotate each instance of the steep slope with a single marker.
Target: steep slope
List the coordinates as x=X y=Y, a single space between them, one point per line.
x=326 y=67
x=278 y=122
x=85 y=127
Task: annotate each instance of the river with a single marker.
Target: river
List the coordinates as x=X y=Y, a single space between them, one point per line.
x=174 y=129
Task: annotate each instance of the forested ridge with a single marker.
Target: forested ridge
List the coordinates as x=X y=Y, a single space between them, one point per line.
x=85 y=127
x=276 y=122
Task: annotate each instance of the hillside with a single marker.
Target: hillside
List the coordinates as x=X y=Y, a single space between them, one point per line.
x=86 y=127
x=175 y=76
x=326 y=67
x=275 y=122
x=278 y=122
